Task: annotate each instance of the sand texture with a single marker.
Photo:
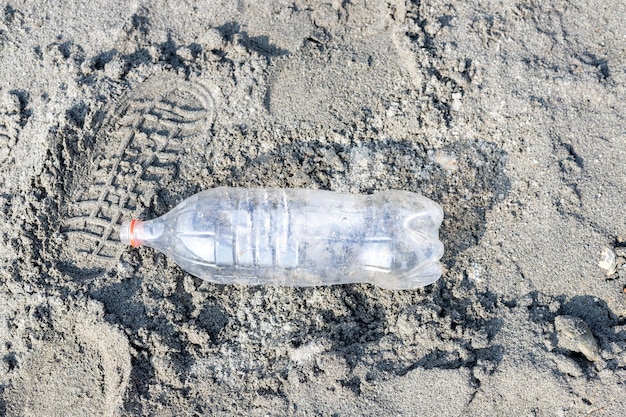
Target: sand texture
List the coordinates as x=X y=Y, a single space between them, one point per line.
x=510 y=114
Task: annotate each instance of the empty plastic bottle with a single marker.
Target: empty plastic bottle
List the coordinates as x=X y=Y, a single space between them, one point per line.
x=299 y=237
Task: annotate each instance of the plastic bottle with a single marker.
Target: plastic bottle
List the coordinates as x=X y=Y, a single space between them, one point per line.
x=299 y=237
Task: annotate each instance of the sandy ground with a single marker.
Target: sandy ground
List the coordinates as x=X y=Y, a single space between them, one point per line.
x=511 y=114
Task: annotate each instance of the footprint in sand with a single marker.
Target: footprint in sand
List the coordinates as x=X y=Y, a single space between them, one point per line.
x=136 y=154
x=60 y=358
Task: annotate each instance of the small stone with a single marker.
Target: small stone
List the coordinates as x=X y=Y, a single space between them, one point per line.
x=608 y=261
x=574 y=334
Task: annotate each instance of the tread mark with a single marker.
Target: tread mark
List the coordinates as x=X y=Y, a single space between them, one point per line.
x=150 y=124
x=9 y=130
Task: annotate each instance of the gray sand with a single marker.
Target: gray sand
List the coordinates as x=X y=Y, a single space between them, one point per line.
x=510 y=114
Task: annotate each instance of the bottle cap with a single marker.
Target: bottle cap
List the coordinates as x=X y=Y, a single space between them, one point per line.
x=127 y=233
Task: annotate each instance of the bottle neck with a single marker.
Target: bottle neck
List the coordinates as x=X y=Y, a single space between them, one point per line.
x=136 y=232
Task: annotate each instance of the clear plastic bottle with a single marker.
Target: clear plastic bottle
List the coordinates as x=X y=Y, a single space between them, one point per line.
x=299 y=237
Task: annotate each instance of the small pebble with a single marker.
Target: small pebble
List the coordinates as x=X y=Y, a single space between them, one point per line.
x=574 y=334
x=608 y=261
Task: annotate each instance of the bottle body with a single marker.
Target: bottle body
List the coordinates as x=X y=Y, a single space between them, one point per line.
x=300 y=237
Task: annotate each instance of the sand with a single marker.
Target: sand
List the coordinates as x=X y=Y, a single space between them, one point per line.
x=510 y=114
